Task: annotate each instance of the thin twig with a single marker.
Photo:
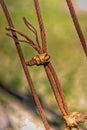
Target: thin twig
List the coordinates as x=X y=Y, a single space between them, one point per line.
x=30 y=41
x=59 y=88
x=57 y=96
x=24 y=41
x=77 y=25
x=32 y=28
x=42 y=31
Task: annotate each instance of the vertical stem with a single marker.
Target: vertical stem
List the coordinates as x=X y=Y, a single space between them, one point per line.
x=77 y=25
x=5 y=10
x=57 y=95
x=42 y=31
x=59 y=88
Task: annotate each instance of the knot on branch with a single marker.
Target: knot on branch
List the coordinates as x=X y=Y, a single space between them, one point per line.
x=40 y=59
x=71 y=121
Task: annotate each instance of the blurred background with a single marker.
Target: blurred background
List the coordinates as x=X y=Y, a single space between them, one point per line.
x=67 y=57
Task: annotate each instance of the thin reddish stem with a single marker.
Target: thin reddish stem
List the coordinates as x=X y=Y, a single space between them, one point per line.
x=42 y=31
x=77 y=25
x=59 y=88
